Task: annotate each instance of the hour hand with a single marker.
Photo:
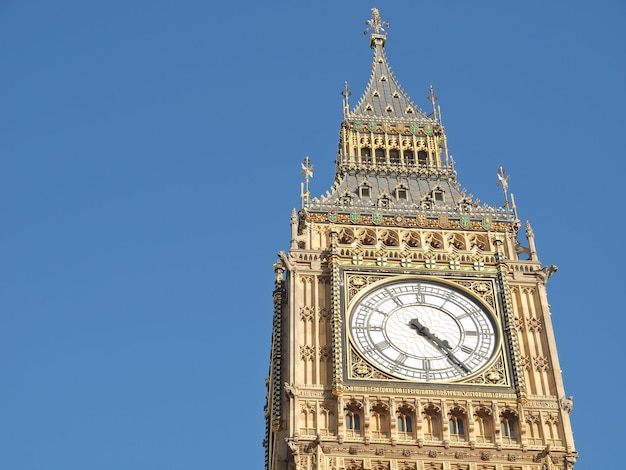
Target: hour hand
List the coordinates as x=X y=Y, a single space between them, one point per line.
x=443 y=345
x=421 y=329
x=425 y=332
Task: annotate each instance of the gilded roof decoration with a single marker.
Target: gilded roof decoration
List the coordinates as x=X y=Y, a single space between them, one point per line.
x=383 y=96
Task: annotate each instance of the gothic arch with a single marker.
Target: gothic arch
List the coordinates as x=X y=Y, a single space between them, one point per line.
x=346 y=236
x=390 y=238
x=353 y=418
x=509 y=426
x=552 y=427
x=379 y=420
x=380 y=466
x=411 y=239
x=456 y=240
x=533 y=426
x=325 y=416
x=457 y=424
x=307 y=419
x=405 y=419
x=431 y=422
x=479 y=241
x=483 y=425
x=434 y=240
x=367 y=236
x=354 y=466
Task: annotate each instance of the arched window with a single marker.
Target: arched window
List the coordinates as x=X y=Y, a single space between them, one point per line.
x=552 y=432
x=366 y=155
x=484 y=425
x=432 y=422
x=507 y=430
x=456 y=424
x=405 y=424
x=508 y=426
x=380 y=156
x=324 y=421
x=364 y=189
x=353 y=421
x=307 y=420
x=534 y=429
x=409 y=158
x=422 y=158
x=437 y=194
x=389 y=238
x=368 y=237
x=346 y=235
x=379 y=420
x=394 y=156
x=405 y=414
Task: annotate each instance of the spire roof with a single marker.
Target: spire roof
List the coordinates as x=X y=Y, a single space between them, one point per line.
x=383 y=96
x=392 y=158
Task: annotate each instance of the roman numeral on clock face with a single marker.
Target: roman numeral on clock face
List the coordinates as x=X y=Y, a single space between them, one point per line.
x=382 y=345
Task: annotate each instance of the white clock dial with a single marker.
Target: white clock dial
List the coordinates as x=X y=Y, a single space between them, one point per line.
x=423 y=330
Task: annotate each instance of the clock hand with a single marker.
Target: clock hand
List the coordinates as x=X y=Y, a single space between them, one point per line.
x=452 y=358
x=424 y=331
x=442 y=345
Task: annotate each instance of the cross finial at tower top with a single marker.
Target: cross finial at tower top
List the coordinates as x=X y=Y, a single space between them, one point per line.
x=375 y=25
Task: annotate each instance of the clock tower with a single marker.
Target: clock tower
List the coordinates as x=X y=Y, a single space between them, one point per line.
x=411 y=328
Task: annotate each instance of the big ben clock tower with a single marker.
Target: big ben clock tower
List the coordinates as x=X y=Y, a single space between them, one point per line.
x=411 y=329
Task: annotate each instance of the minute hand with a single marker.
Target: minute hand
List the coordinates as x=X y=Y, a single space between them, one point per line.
x=442 y=345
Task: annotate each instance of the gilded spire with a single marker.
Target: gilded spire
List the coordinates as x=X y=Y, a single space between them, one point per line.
x=384 y=98
x=375 y=25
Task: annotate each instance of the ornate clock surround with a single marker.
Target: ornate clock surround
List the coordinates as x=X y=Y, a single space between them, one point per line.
x=357 y=370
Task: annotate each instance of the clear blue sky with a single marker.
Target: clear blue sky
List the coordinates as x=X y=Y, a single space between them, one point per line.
x=149 y=160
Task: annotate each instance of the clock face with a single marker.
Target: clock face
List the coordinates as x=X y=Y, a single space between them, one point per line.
x=423 y=330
